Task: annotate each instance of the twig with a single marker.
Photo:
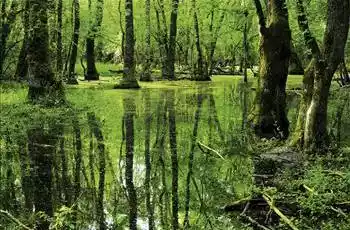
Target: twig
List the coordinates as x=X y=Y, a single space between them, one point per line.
x=254 y=222
x=278 y=212
x=14 y=219
x=212 y=150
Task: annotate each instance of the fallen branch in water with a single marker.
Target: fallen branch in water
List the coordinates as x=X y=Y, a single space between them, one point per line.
x=200 y=144
x=14 y=219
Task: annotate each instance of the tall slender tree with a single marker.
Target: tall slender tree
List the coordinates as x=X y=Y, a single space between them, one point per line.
x=72 y=79
x=129 y=78
x=146 y=74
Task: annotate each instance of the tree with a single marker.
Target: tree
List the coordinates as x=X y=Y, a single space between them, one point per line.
x=74 y=46
x=43 y=86
x=59 y=64
x=270 y=118
x=91 y=71
x=170 y=58
x=312 y=122
x=146 y=74
x=129 y=78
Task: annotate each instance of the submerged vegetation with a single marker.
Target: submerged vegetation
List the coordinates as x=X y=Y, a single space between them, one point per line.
x=174 y=114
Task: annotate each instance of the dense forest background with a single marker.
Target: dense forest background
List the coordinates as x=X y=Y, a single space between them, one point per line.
x=174 y=114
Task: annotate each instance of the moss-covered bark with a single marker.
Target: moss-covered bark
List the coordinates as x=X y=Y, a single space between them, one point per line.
x=270 y=116
x=43 y=86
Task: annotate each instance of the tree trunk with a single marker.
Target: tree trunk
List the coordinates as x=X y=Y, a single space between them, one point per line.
x=270 y=110
x=43 y=86
x=200 y=74
x=59 y=47
x=22 y=63
x=129 y=79
x=146 y=74
x=325 y=64
x=129 y=110
x=170 y=72
x=72 y=79
x=92 y=74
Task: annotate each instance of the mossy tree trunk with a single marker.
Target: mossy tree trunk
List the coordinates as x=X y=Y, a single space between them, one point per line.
x=270 y=110
x=129 y=79
x=91 y=70
x=325 y=62
x=43 y=86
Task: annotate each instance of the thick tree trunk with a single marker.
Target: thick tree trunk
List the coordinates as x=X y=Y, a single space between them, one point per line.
x=43 y=86
x=270 y=116
x=129 y=79
x=326 y=62
x=72 y=79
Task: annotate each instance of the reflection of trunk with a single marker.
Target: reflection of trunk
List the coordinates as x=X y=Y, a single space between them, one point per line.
x=22 y=63
x=160 y=141
x=214 y=117
x=25 y=176
x=41 y=148
x=92 y=166
x=129 y=110
x=325 y=64
x=96 y=130
x=270 y=110
x=170 y=74
x=65 y=178
x=148 y=120
x=74 y=46
x=191 y=159
x=146 y=75
x=129 y=79
x=78 y=163
x=174 y=160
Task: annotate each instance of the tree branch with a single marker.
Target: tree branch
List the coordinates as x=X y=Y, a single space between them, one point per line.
x=261 y=16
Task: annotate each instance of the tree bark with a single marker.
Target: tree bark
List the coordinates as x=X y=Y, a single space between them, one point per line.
x=170 y=71
x=59 y=47
x=72 y=79
x=129 y=79
x=326 y=62
x=270 y=110
x=146 y=74
x=92 y=73
x=43 y=86
x=22 y=63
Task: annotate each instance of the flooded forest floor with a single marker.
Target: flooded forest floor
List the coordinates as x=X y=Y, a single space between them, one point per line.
x=195 y=133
